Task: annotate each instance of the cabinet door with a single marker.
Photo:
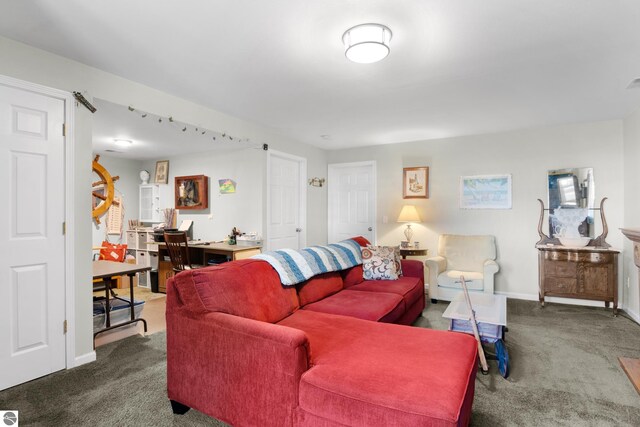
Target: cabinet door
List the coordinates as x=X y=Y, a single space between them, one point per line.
x=597 y=280
x=165 y=272
x=149 y=203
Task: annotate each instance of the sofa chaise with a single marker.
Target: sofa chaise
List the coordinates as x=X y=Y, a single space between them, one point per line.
x=245 y=350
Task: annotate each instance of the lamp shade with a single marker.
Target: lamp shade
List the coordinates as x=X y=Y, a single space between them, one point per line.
x=409 y=213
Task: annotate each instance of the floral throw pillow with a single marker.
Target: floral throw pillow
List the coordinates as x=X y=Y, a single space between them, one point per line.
x=380 y=262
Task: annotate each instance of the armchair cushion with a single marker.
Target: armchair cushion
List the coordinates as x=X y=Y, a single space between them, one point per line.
x=466 y=253
x=451 y=279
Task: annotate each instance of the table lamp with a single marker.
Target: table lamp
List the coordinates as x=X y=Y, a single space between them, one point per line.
x=409 y=213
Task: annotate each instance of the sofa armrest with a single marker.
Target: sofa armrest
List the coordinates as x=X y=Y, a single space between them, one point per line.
x=490 y=268
x=412 y=268
x=222 y=364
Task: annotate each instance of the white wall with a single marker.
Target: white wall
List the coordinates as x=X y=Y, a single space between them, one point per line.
x=631 y=285
x=126 y=187
x=242 y=209
x=35 y=65
x=527 y=155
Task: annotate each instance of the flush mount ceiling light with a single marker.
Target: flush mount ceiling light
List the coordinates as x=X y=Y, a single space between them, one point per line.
x=367 y=43
x=123 y=142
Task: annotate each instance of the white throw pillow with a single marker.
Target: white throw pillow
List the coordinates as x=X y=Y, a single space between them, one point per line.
x=381 y=263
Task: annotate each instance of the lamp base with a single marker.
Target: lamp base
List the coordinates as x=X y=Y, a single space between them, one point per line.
x=408 y=233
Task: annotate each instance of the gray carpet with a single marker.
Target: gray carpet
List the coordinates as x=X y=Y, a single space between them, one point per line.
x=564 y=372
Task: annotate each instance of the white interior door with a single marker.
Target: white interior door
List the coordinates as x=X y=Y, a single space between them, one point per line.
x=286 y=205
x=32 y=246
x=352 y=201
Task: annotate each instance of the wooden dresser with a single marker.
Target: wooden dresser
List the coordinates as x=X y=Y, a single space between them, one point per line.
x=585 y=273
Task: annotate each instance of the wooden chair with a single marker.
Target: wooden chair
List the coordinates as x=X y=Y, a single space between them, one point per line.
x=178 y=249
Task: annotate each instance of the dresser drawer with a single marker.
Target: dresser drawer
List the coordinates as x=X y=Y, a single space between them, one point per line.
x=556 y=255
x=561 y=269
x=597 y=258
x=561 y=285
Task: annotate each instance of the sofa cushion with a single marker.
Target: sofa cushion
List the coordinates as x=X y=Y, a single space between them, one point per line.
x=466 y=253
x=352 y=276
x=376 y=306
x=319 y=287
x=380 y=263
x=247 y=288
x=409 y=288
x=362 y=241
x=451 y=279
x=367 y=373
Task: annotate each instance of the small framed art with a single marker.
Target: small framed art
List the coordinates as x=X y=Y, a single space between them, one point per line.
x=162 y=172
x=415 y=183
x=192 y=192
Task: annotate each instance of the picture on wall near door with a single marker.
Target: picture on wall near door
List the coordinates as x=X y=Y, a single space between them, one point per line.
x=162 y=172
x=485 y=192
x=415 y=183
x=192 y=192
x=227 y=186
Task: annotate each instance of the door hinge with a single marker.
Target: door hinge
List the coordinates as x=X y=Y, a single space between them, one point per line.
x=64 y=228
x=64 y=129
x=64 y=326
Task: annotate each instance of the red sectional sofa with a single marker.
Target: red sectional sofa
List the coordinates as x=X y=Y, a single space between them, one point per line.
x=249 y=352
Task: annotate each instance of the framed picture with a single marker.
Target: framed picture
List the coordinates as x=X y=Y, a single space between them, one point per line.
x=415 y=183
x=192 y=192
x=162 y=172
x=485 y=192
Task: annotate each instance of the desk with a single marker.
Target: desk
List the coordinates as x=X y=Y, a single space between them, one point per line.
x=108 y=270
x=202 y=253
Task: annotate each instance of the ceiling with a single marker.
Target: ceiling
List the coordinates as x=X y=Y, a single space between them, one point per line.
x=456 y=67
x=152 y=136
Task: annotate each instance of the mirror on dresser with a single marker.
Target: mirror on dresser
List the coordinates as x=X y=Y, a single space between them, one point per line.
x=572 y=188
x=572 y=262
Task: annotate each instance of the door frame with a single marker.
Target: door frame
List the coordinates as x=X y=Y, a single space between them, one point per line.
x=69 y=202
x=331 y=188
x=302 y=164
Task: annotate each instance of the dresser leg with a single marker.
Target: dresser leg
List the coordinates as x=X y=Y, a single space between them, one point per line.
x=615 y=309
x=541 y=298
x=606 y=304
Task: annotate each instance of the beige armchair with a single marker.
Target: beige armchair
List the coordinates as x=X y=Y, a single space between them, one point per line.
x=470 y=256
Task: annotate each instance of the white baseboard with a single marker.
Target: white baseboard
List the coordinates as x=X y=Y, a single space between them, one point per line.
x=632 y=314
x=569 y=301
x=516 y=295
x=84 y=359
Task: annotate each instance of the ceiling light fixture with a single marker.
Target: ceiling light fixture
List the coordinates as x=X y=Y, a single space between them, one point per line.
x=367 y=43
x=123 y=142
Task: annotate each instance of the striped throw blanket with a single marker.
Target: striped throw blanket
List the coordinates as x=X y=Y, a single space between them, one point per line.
x=296 y=266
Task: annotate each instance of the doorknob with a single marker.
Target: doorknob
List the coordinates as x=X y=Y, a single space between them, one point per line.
x=370 y=228
x=298 y=230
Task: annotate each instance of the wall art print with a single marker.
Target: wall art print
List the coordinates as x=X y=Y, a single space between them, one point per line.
x=485 y=192
x=415 y=183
